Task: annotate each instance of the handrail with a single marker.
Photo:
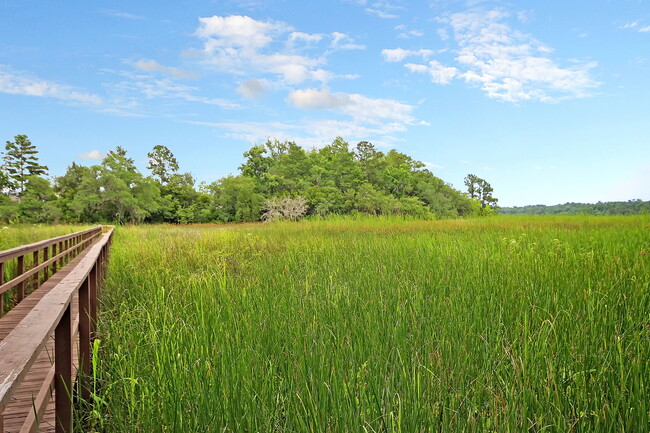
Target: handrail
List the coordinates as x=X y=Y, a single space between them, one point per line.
x=20 y=278
x=61 y=248
x=37 y=246
x=53 y=314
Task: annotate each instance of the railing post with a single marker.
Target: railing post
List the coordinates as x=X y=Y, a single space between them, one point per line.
x=63 y=373
x=93 y=300
x=54 y=265
x=46 y=256
x=21 y=286
x=84 y=339
x=36 y=276
x=2 y=295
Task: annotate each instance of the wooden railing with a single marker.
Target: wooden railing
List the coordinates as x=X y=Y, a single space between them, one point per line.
x=86 y=255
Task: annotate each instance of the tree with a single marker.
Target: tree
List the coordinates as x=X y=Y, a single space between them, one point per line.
x=20 y=162
x=162 y=163
x=479 y=189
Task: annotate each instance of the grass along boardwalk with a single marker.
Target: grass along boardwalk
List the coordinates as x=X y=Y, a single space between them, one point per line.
x=44 y=340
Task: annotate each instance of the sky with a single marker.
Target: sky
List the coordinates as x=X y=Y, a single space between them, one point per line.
x=548 y=101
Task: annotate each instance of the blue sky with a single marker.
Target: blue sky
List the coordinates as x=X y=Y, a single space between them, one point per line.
x=548 y=101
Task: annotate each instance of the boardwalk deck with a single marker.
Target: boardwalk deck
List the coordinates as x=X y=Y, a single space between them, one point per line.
x=22 y=405
x=45 y=337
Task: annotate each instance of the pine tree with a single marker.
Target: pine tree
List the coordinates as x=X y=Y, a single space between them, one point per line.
x=20 y=162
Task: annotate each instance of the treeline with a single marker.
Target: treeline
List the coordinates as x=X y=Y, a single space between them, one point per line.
x=631 y=207
x=276 y=180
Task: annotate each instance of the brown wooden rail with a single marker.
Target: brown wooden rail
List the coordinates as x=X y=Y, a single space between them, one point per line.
x=62 y=305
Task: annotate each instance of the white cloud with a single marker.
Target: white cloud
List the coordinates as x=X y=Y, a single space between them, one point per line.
x=307 y=37
x=505 y=63
x=153 y=88
x=242 y=45
x=309 y=133
x=93 y=154
x=253 y=88
x=154 y=66
x=410 y=34
x=121 y=14
x=432 y=165
x=359 y=107
x=19 y=83
x=512 y=66
x=439 y=73
x=380 y=13
x=399 y=54
x=637 y=27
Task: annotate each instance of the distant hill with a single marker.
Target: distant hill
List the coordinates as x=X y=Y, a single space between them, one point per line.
x=631 y=207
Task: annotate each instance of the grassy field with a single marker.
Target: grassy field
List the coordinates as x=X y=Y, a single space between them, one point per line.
x=508 y=324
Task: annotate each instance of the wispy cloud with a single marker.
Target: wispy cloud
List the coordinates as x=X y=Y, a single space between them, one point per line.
x=253 y=88
x=154 y=66
x=93 y=154
x=439 y=73
x=121 y=14
x=382 y=8
x=241 y=45
x=380 y=13
x=165 y=88
x=21 y=83
x=399 y=54
x=361 y=108
x=308 y=133
x=507 y=64
x=636 y=26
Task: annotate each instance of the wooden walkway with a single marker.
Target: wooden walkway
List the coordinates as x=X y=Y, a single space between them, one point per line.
x=29 y=400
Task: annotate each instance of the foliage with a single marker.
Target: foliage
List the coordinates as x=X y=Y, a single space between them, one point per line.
x=20 y=162
x=631 y=207
x=276 y=180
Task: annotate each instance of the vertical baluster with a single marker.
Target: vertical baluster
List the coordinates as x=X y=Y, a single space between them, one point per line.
x=20 y=295
x=46 y=256
x=2 y=295
x=63 y=373
x=36 y=276
x=54 y=265
x=84 y=338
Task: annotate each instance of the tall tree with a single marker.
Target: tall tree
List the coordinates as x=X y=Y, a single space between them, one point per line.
x=162 y=163
x=479 y=189
x=20 y=162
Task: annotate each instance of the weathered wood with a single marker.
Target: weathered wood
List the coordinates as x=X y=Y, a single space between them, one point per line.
x=24 y=343
x=63 y=372
x=93 y=301
x=37 y=246
x=54 y=264
x=84 y=338
x=46 y=269
x=34 y=271
x=2 y=295
x=20 y=295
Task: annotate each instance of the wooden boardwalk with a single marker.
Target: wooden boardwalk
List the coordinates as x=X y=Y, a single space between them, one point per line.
x=29 y=401
x=22 y=405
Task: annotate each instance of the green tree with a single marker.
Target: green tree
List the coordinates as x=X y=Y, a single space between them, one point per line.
x=20 y=162
x=162 y=163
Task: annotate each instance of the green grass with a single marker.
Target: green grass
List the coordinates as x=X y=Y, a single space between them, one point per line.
x=506 y=324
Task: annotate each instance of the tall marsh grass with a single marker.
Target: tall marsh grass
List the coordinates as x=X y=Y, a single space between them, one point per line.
x=508 y=324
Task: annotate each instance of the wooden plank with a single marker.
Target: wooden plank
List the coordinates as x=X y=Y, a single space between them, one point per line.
x=29 y=336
